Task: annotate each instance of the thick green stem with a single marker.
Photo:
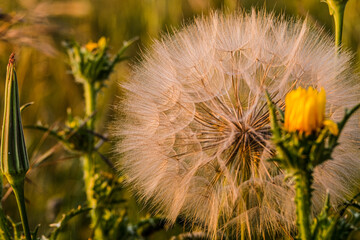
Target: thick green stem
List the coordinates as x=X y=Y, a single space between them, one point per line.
x=90 y=104
x=337 y=9
x=303 y=182
x=18 y=188
x=88 y=158
x=88 y=171
x=339 y=20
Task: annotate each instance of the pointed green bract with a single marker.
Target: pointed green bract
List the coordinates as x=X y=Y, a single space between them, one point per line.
x=14 y=158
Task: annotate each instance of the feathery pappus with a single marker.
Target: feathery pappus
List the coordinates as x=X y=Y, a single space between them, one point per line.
x=193 y=125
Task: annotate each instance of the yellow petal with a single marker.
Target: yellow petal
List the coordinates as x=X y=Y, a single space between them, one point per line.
x=90 y=46
x=332 y=126
x=102 y=42
x=304 y=110
x=310 y=112
x=321 y=104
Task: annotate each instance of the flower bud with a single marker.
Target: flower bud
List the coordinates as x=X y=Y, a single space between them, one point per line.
x=92 y=63
x=304 y=110
x=14 y=158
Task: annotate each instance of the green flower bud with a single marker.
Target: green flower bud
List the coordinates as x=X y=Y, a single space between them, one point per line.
x=14 y=158
x=92 y=63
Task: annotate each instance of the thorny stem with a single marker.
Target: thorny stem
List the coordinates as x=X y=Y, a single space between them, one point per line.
x=18 y=188
x=88 y=157
x=90 y=104
x=303 y=180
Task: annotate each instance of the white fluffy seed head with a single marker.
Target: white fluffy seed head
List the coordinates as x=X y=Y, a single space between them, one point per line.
x=193 y=126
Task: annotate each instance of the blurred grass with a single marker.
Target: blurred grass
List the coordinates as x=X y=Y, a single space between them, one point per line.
x=56 y=187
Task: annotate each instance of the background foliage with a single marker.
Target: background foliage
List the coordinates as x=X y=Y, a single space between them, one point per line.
x=44 y=79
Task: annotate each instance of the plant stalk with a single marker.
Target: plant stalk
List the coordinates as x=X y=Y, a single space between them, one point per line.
x=90 y=105
x=88 y=158
x=339 y=20
x=1 y=185
x=242 y=229
x=4 y=230
x=303 y=180
x=18 y=188
x=337 y=9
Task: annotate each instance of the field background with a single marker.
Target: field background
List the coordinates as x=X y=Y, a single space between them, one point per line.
x=44 y=79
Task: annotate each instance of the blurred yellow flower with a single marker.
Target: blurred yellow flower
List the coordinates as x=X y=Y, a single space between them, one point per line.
x=90 y=46
x=305 y=111
x=102 y=42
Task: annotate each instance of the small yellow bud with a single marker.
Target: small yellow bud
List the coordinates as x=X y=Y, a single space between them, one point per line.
x=332 y=126
x=304 y=110
x=102 y=42
x=90 y=46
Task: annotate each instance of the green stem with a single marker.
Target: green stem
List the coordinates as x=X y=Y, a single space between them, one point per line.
x=1 y=185
x=90 y=104
x=337 y=9
x=18 y=188
x=88 y=172
x=88 y=158
x=4 y=230
x=303 y=182
x=339 y=20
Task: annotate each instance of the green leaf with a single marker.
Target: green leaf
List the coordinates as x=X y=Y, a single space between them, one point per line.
x=23 y=107
x=65 y=219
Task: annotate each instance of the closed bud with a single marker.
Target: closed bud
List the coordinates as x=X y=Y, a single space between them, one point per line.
x=14 y=158
x=305 y=110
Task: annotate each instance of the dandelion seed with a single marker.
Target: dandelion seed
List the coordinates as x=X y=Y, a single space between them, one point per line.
x=194 y=124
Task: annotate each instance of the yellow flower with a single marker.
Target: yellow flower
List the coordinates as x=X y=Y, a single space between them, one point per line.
x=305 y=110
x=102 y=42
x=90 y=46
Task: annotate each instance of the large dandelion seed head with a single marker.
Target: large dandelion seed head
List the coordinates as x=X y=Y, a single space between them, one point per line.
x=194 y=124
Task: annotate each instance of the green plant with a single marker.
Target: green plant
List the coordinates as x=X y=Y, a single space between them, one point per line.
x=91 y=66
x=337 y=9
x=304 y=141
x=14 y=158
